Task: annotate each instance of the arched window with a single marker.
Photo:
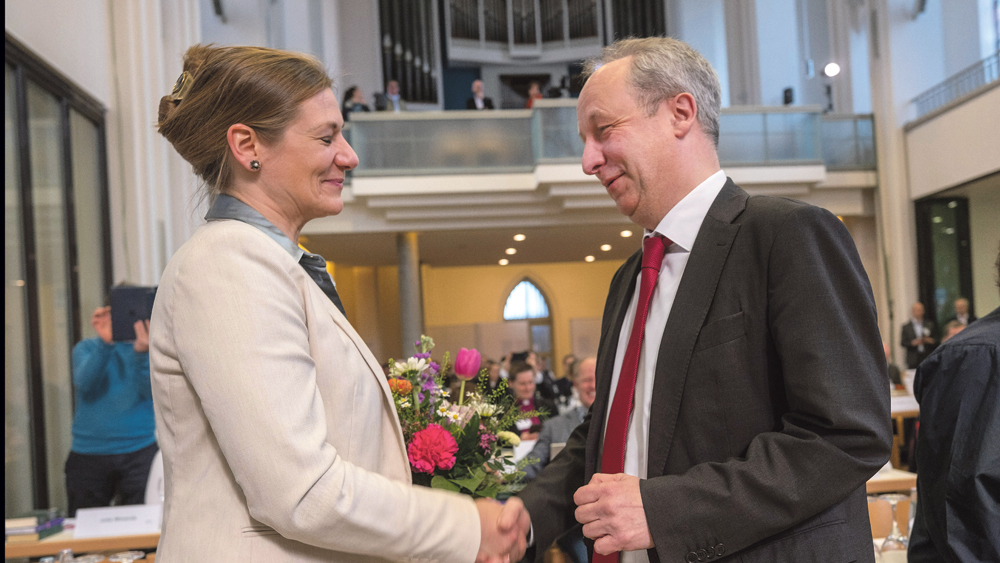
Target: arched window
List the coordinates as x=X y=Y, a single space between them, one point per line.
x=525 y=302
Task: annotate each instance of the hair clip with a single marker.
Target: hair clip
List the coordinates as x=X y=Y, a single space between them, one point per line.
x=182 y=86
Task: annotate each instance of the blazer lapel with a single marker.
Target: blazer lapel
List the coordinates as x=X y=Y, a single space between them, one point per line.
x=376 y=369
x=687 y=315
x=620 y=295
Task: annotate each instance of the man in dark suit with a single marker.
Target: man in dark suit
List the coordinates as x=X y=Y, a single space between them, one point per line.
x=478 y=99
x=917 y=336
x=742 y=419
x=962 y=313
x=958 y=388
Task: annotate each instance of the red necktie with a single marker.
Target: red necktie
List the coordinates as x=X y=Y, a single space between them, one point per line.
x=613 y=454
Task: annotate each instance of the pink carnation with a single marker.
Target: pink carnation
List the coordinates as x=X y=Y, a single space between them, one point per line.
x=433 y=447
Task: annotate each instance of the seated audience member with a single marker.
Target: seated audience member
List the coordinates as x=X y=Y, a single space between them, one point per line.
x=478 y=99
x=555 y=390
x=917 y=336
x=493 y=373
x=556 y=431
x=952 y=328
x=522 y=385
x=353 y=101
x=114 y=438
x=962 y=313
x=958 y=388
x=390 y=100
x=534 y=93
x=894 y=376
x=569 y=362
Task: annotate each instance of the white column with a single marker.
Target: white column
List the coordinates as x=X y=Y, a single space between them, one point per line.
x=742 y=52
x=152 y=189
x=410 y=295
x=894 y=209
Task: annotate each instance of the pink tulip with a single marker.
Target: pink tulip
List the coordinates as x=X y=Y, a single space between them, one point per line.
x=467 y=364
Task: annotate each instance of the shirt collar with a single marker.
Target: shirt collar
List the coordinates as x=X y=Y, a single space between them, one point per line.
x=682 y=223
x=228 y=207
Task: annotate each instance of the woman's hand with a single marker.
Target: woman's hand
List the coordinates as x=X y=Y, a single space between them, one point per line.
x=101 y=321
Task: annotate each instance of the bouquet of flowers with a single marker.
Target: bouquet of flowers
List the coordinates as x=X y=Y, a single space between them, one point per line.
x=456 y=446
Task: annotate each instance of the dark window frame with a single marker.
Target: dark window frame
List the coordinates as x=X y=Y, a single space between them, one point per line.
x=27 y=66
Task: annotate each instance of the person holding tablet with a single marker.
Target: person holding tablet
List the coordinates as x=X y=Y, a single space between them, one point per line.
x=114 y=439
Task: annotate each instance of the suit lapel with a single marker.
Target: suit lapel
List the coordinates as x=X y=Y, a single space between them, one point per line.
x=620 y=295
x=687 y=315
x=376 y=369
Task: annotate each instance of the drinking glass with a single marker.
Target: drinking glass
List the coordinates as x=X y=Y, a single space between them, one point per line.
x=126 y=557
x=896 y=541
x=91 y=558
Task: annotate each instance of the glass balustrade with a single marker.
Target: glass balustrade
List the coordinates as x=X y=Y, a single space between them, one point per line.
x=511 y=141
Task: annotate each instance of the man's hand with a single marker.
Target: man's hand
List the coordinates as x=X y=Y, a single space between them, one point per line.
x=504 y=531
x=141 y=344
x=101 y=321
x=610 y=509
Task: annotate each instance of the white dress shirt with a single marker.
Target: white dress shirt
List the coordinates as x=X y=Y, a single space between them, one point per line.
x=681 y=225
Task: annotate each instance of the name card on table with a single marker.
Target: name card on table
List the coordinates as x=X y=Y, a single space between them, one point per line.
x=128 y=520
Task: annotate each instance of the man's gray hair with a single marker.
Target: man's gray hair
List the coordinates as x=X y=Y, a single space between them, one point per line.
x=663 y=67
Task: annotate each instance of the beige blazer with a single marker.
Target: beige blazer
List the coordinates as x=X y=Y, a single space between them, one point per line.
x=280 y=441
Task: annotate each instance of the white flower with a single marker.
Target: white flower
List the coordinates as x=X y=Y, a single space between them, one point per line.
x=417 y=365
x=454 y=416
x=510 y=438
x=404 y=404
x=486 y=409
x=442 y=410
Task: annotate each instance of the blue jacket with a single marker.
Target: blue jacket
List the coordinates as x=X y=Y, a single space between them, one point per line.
x=114 y=401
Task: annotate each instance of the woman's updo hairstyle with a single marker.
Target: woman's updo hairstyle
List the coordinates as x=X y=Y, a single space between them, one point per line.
x=221 y=86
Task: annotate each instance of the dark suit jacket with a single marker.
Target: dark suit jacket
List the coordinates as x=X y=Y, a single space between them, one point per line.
x=958 y=388
x=770 y=408
x=913 y=354
x=471 y=103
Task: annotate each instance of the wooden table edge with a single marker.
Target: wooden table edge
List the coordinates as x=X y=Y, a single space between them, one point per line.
x=79 y=546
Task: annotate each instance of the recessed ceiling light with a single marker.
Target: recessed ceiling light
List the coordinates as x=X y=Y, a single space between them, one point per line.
x=831 y=69
x=952 y=204
x=937 y=219
x=511 y=251
x=519 y=237
x=588 y=259
x=605 y=247
x=626 y=234
x=504 y=261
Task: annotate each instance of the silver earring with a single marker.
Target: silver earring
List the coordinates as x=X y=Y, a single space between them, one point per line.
x=255 y=165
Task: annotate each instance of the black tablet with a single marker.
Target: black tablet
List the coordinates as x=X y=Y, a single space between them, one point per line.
x=129 y=304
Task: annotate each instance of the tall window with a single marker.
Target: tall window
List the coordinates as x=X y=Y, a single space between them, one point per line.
x=57 y=266
x=526 y=302
x=944 y=255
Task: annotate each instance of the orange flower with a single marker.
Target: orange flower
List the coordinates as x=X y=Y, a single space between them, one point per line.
x=400 y=386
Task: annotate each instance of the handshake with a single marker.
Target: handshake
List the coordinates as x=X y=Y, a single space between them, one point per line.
x=609 y=507
x=504 y=530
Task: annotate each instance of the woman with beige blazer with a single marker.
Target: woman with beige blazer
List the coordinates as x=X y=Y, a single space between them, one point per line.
x=280 y=441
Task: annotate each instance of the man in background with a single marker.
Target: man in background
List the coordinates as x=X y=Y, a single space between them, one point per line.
x=390 y=100
x=478 y=99
x=557 y=431
x=958 y=388
x=962 y=313
x=114 y=439
x=917 y=336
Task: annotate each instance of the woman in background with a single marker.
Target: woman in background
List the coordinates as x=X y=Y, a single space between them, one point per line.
x=279 y=435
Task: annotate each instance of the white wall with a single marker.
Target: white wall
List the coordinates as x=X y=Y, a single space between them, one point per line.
x=360 y=53
x=72 y=36
x=778 y=44
x=984 y=233
x=955 y=147
x=960 y=28
x=245 y=24
x=698 y=23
